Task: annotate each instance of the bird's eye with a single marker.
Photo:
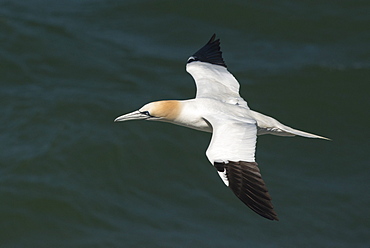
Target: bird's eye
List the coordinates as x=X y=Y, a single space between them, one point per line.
x=146 y=113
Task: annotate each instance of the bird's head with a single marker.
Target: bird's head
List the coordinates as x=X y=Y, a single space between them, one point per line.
x=157 y=111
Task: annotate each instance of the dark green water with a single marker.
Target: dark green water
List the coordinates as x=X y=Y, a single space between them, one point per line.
x=70 y=177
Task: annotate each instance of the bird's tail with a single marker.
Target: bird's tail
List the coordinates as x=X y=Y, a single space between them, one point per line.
x=268 y=125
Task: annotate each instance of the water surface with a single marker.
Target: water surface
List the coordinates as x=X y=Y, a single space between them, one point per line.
x=70 y=177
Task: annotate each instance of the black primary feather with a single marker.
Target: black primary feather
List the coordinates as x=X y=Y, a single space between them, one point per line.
x=209 y=53
x=247 y=184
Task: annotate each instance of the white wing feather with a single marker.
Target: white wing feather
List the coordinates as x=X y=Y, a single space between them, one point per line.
x=232 y=140
x=215 y=81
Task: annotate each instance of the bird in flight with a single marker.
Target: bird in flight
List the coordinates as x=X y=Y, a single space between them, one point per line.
x=219 y=109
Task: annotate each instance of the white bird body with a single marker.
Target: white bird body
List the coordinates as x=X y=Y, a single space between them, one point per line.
x=193 y=113
x=219 y=109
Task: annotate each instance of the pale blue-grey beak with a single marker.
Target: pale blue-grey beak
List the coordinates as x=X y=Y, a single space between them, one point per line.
x=136 y=115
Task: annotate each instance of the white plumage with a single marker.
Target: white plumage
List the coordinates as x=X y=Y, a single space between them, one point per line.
x=215 y=82
x=218 y=108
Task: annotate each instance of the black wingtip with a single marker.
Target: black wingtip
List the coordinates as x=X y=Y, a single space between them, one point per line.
x=247 y=184
x=212 y=39
x=209 y=53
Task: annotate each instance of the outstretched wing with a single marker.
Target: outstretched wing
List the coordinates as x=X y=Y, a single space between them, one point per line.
x=211 y=76
x=232 y=152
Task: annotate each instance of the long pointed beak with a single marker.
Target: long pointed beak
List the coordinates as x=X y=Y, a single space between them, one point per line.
x=136 y=115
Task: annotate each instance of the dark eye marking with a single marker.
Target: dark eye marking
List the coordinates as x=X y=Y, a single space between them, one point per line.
x=146 y=113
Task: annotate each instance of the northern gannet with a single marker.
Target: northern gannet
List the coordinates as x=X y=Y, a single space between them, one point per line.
x=219 y=109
